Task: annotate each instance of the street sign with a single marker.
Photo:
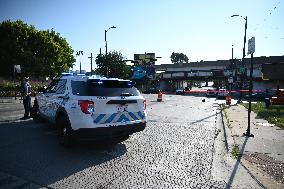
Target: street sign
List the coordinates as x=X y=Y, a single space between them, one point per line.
x=79 y=53
x=17 y=69
x=251 y=45
x=242 y=69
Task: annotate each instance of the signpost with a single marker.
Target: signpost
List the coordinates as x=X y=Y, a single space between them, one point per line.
x=251 y=50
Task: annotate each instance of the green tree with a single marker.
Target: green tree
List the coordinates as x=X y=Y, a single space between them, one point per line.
x=115 y=65
x=179 y=58
x=39 y=52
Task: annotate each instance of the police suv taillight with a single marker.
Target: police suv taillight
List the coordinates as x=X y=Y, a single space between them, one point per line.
x=145 y=104
x=87 y=106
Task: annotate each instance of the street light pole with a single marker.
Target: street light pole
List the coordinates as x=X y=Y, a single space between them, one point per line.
x=232 y=52
x=106 y=48
x=231 y=70
x=243 y=60
x=244 y=54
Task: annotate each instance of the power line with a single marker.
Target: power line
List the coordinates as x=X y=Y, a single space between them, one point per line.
x=268 y=15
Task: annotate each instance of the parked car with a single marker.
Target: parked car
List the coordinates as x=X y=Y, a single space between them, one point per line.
x=210 y=93
x=222 y=93
x=180 y=91
x=277 y=99
x=92 y=108
x=151 y=91
x=256 y=96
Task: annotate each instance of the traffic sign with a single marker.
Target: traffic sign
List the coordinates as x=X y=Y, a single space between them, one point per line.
x=251 y=45
x=242 y=69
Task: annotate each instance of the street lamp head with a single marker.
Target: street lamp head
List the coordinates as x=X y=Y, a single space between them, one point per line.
x=235 y=15
x=113 y=27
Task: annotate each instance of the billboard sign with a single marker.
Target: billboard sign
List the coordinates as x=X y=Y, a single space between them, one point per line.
x=138 y=72
x=144 y=58
x=144 y=66
x=273 y=71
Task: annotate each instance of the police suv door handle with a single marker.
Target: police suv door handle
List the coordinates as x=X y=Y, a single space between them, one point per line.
x=63 y=97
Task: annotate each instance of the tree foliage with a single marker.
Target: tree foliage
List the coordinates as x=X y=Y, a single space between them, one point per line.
x=115 y=65
x=39 y=52
x=179 y=58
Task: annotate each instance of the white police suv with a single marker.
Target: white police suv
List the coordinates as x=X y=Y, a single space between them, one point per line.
x=92 y=107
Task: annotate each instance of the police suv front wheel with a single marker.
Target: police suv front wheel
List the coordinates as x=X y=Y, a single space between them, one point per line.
x=65 y=137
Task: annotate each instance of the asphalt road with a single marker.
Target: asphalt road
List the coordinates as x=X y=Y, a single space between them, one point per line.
x=174 y=151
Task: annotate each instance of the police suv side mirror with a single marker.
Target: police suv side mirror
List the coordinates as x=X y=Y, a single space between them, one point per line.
x=42 y=89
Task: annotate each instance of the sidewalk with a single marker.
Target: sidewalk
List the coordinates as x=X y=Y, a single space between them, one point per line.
x=263 y=154
x=11 y=100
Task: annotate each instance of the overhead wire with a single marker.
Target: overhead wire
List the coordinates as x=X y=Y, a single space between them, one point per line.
x=266 y=18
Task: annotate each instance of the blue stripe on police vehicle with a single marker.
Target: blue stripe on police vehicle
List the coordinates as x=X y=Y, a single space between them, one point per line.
x=117 y=117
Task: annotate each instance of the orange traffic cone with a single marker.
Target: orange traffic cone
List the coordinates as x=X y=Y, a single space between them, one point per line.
x=160 y=96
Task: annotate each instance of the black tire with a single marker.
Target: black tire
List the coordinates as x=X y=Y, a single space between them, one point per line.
x=121 y=139
x=65 y=131
x=35 y=114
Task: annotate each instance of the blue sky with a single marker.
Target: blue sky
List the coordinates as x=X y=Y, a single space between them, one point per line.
x=201 y=29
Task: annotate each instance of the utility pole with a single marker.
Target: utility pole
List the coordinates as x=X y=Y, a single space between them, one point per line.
x=251 y=50
x=243 y=61
x=248 y=134
x=232 y=52
x=91 y=57
x=231 y=77
x=107 y=70
x=78 y=53
x=106 y=55
x=242 y=70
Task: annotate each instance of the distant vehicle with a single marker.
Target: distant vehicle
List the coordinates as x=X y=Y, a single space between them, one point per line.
x=92 y=108
x=180 y=91
x=151 y=91
x=210 y=93
x=256 y=96
x=277 y=99
x=222 y=93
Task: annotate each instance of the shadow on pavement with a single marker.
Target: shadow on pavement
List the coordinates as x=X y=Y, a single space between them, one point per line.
x=224 y=130
x=200 y=120
x=231 y=179
x=31 y=151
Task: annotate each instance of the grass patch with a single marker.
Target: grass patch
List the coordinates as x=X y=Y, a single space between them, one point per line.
x=226 y=116
x=274 y=114
x=236 y=153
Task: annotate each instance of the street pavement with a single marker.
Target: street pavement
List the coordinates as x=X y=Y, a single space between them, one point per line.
x=183 y=146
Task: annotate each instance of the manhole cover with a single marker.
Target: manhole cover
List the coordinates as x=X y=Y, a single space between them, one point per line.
x=269 y=165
